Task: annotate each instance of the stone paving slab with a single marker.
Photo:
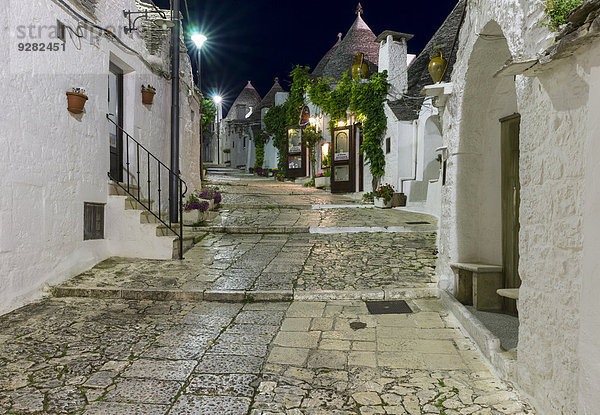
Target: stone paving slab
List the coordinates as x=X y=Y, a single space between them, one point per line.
x=417 y=363
x=224 y=267
x=93 y=356
x=293 y=220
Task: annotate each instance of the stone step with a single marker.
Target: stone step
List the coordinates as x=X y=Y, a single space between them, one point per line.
x=241 y=296
x=162 y=230
x=188 y=243
x=115 y=190
x=131 y=203
x=147 y=217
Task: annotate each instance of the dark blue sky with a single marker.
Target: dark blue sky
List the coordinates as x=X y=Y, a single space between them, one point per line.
x=259 y=39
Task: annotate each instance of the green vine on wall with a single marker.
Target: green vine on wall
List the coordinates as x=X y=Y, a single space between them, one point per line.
x=367 y=100
x=558 y=12
x=311 y=138
x=259 y=145
x=209 y=112
x=276 y=126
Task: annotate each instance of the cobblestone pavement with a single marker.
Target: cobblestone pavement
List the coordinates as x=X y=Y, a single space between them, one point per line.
x=335 y=358
x=92 y=356
x=231 y=262
x=132 y=349
x=133 y=357
x=318 y=217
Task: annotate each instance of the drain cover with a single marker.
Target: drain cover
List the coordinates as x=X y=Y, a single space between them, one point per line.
x=388 y=307
x=418 y=223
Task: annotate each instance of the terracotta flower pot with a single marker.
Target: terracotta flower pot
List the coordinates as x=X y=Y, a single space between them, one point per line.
x=76 y=102
x=147 y=97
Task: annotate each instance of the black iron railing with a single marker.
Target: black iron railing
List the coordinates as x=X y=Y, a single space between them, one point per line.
x=154 y=168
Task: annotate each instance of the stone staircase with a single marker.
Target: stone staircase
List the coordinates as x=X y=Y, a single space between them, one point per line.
x=141 y=234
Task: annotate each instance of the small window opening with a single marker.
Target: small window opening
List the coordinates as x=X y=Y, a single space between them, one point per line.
x=93 y=221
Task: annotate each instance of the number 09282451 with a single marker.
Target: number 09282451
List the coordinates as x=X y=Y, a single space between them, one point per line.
x=41 y=47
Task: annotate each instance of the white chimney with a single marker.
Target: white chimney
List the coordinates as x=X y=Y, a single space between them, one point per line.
x=393 y=58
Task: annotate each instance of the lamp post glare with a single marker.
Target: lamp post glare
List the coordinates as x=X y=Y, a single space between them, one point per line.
x=218 y=99
x=199 y=39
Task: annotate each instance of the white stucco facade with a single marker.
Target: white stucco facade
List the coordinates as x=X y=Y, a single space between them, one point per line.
x=558 y=351
x=52 y=160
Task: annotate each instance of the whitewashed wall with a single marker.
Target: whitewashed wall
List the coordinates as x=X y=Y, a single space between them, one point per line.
x=53 y=161
x=558 y=349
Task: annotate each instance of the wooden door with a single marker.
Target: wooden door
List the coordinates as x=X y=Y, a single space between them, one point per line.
x=115 y=110
x=296 y=154
x=510 y=205
x=343 y=163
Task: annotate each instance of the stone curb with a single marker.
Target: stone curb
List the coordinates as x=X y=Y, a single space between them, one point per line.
x=247 y=206
x=488 y=344
x=230 y=296
x=251 y=229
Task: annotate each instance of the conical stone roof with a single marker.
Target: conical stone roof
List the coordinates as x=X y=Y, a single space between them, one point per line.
x=360 y=38
x=407 y=108
x=268 y=101
x=249 y=97
x=318 y=71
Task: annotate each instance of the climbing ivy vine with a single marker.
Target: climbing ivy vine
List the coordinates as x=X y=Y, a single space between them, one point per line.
x=276 y=123
x=366 y=99
x=259 y=145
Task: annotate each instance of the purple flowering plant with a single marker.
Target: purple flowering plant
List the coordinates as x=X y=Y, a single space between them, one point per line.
x=193 y=203
x=210 y=193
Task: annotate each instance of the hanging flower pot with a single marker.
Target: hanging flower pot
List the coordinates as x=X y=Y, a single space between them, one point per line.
x=437 y=65
x=148 y=93
x=76 y=100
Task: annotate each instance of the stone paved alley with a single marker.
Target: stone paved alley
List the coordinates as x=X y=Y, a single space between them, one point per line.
x=266 y=315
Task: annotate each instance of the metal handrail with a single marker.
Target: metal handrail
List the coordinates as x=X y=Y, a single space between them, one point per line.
x=151 y=158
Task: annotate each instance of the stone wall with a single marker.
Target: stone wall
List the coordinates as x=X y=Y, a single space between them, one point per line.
x=52 y=160
x=554 y=139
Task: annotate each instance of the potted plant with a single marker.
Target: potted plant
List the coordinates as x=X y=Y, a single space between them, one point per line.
x=148 y=93
x=212 y=195
x=280 y=176
x=194 y=210
x=383 y=196
x=323 y=179
x=437 y=64
x=76 y=100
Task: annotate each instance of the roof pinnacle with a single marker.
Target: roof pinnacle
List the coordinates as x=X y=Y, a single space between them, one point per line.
x=359 y=9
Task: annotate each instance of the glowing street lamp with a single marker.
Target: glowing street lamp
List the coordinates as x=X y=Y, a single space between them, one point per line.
x=218 y=100
x=199 y=40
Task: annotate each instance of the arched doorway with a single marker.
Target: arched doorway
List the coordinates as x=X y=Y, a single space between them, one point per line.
x=487 y=191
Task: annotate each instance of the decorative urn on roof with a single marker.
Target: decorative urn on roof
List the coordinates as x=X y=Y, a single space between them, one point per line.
x=360 y=69
x=437 y=65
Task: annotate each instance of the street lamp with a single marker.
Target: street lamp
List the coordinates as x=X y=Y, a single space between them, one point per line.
x=218 y=99
x=199 y=40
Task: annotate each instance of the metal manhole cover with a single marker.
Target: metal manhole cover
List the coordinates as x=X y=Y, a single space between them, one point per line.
x=388 y=307
x=418 y=223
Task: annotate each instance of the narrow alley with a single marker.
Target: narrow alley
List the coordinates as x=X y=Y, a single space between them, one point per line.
x=273 y=311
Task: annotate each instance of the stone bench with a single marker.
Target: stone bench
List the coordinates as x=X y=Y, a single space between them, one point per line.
x=512 y=293
x=477 y=285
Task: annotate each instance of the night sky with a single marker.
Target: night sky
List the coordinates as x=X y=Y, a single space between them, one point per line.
x=258 y=40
